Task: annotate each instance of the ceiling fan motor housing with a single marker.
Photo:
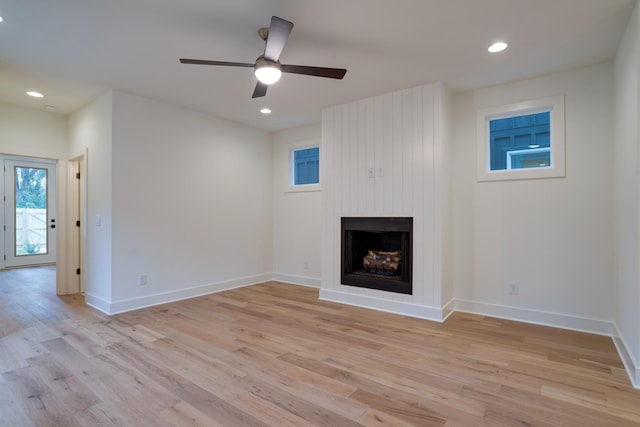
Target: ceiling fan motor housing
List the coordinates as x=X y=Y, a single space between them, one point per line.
x=261 y=62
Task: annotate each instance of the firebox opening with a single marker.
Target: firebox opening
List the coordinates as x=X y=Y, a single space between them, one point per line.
x=377 y=253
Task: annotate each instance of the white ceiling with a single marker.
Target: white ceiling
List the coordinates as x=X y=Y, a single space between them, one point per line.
x=73 y=50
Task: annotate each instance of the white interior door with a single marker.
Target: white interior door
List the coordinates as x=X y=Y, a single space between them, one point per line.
x=29 y=212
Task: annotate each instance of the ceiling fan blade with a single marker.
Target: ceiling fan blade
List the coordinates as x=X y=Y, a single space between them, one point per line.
x=206 y=62
x=260 y=90
x=279 y=31
x=332 y=73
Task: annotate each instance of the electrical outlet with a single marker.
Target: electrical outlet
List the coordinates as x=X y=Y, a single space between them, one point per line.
x=306 y=265
x=513 y=289
x=142 y=280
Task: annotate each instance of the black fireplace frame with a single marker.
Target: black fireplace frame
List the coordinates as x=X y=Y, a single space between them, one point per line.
x=351 y=225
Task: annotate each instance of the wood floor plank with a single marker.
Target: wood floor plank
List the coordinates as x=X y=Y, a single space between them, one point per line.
x=37 y=400
x=99 y=416
x=273 y=354
x=184 y=415
x=13 y=413
x=87 y=368
x=329 y=385
x=374 y=418
x=72 y=392
x=437 y=393
x=270 y=413
x=307 y=410
x=416 y=415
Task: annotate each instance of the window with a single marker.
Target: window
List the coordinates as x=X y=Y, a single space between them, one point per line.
x=305 y=166
x=521 y=141
x=515 y=142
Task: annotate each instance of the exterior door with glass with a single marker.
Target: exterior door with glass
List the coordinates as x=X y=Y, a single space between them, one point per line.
x=29 y=211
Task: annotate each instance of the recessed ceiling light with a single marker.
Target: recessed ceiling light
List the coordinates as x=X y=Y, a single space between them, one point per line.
x=497 y=47
x=35 y=94
x=50 y=107
x=1 y=19
x=265 y=110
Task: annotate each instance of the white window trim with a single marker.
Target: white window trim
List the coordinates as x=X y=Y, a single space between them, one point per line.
x=300 y=188
x=555 y=106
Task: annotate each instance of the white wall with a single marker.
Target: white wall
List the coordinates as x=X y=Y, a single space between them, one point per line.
x=30 y=132
x=90 y=135
x=626 y=164
x=297 y=215
x=182 y=197
x=192 y=203
x=401 y=136
x=551 y=236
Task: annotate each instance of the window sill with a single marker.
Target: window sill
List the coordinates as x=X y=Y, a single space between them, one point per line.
x=516 y=174
x=303 y=188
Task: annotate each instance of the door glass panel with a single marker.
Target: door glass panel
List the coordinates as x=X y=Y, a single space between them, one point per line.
x=30 y=211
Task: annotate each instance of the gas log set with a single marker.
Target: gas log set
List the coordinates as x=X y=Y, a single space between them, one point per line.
x=382 y=262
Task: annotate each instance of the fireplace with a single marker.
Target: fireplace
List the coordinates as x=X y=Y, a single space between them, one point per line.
x=377 y=253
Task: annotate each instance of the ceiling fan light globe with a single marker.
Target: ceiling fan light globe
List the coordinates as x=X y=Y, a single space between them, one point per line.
x=268 y=74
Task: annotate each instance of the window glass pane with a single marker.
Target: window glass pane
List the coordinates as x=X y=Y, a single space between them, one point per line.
x=30 y=211
x=306 y=164
x=520 y=142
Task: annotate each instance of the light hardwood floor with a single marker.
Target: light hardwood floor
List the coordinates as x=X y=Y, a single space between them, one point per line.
x=274 y=355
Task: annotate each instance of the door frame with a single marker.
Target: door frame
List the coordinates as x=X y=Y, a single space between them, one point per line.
x=75 y=235
x=71 y=258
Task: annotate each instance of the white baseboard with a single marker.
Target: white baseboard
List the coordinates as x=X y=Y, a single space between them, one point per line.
x=633 y=370
x=557 y=320
x=196 y=291
x=448 y=309
x=311 y=282
x=97 y=303
x=396 y=307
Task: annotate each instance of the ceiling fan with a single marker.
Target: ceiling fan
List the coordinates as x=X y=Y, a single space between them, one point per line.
x=267 y=66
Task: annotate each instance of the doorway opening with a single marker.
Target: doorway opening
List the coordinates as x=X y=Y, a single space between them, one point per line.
x=30 y=231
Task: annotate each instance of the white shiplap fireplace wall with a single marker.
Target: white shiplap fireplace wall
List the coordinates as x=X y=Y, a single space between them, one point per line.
x=389 y=156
